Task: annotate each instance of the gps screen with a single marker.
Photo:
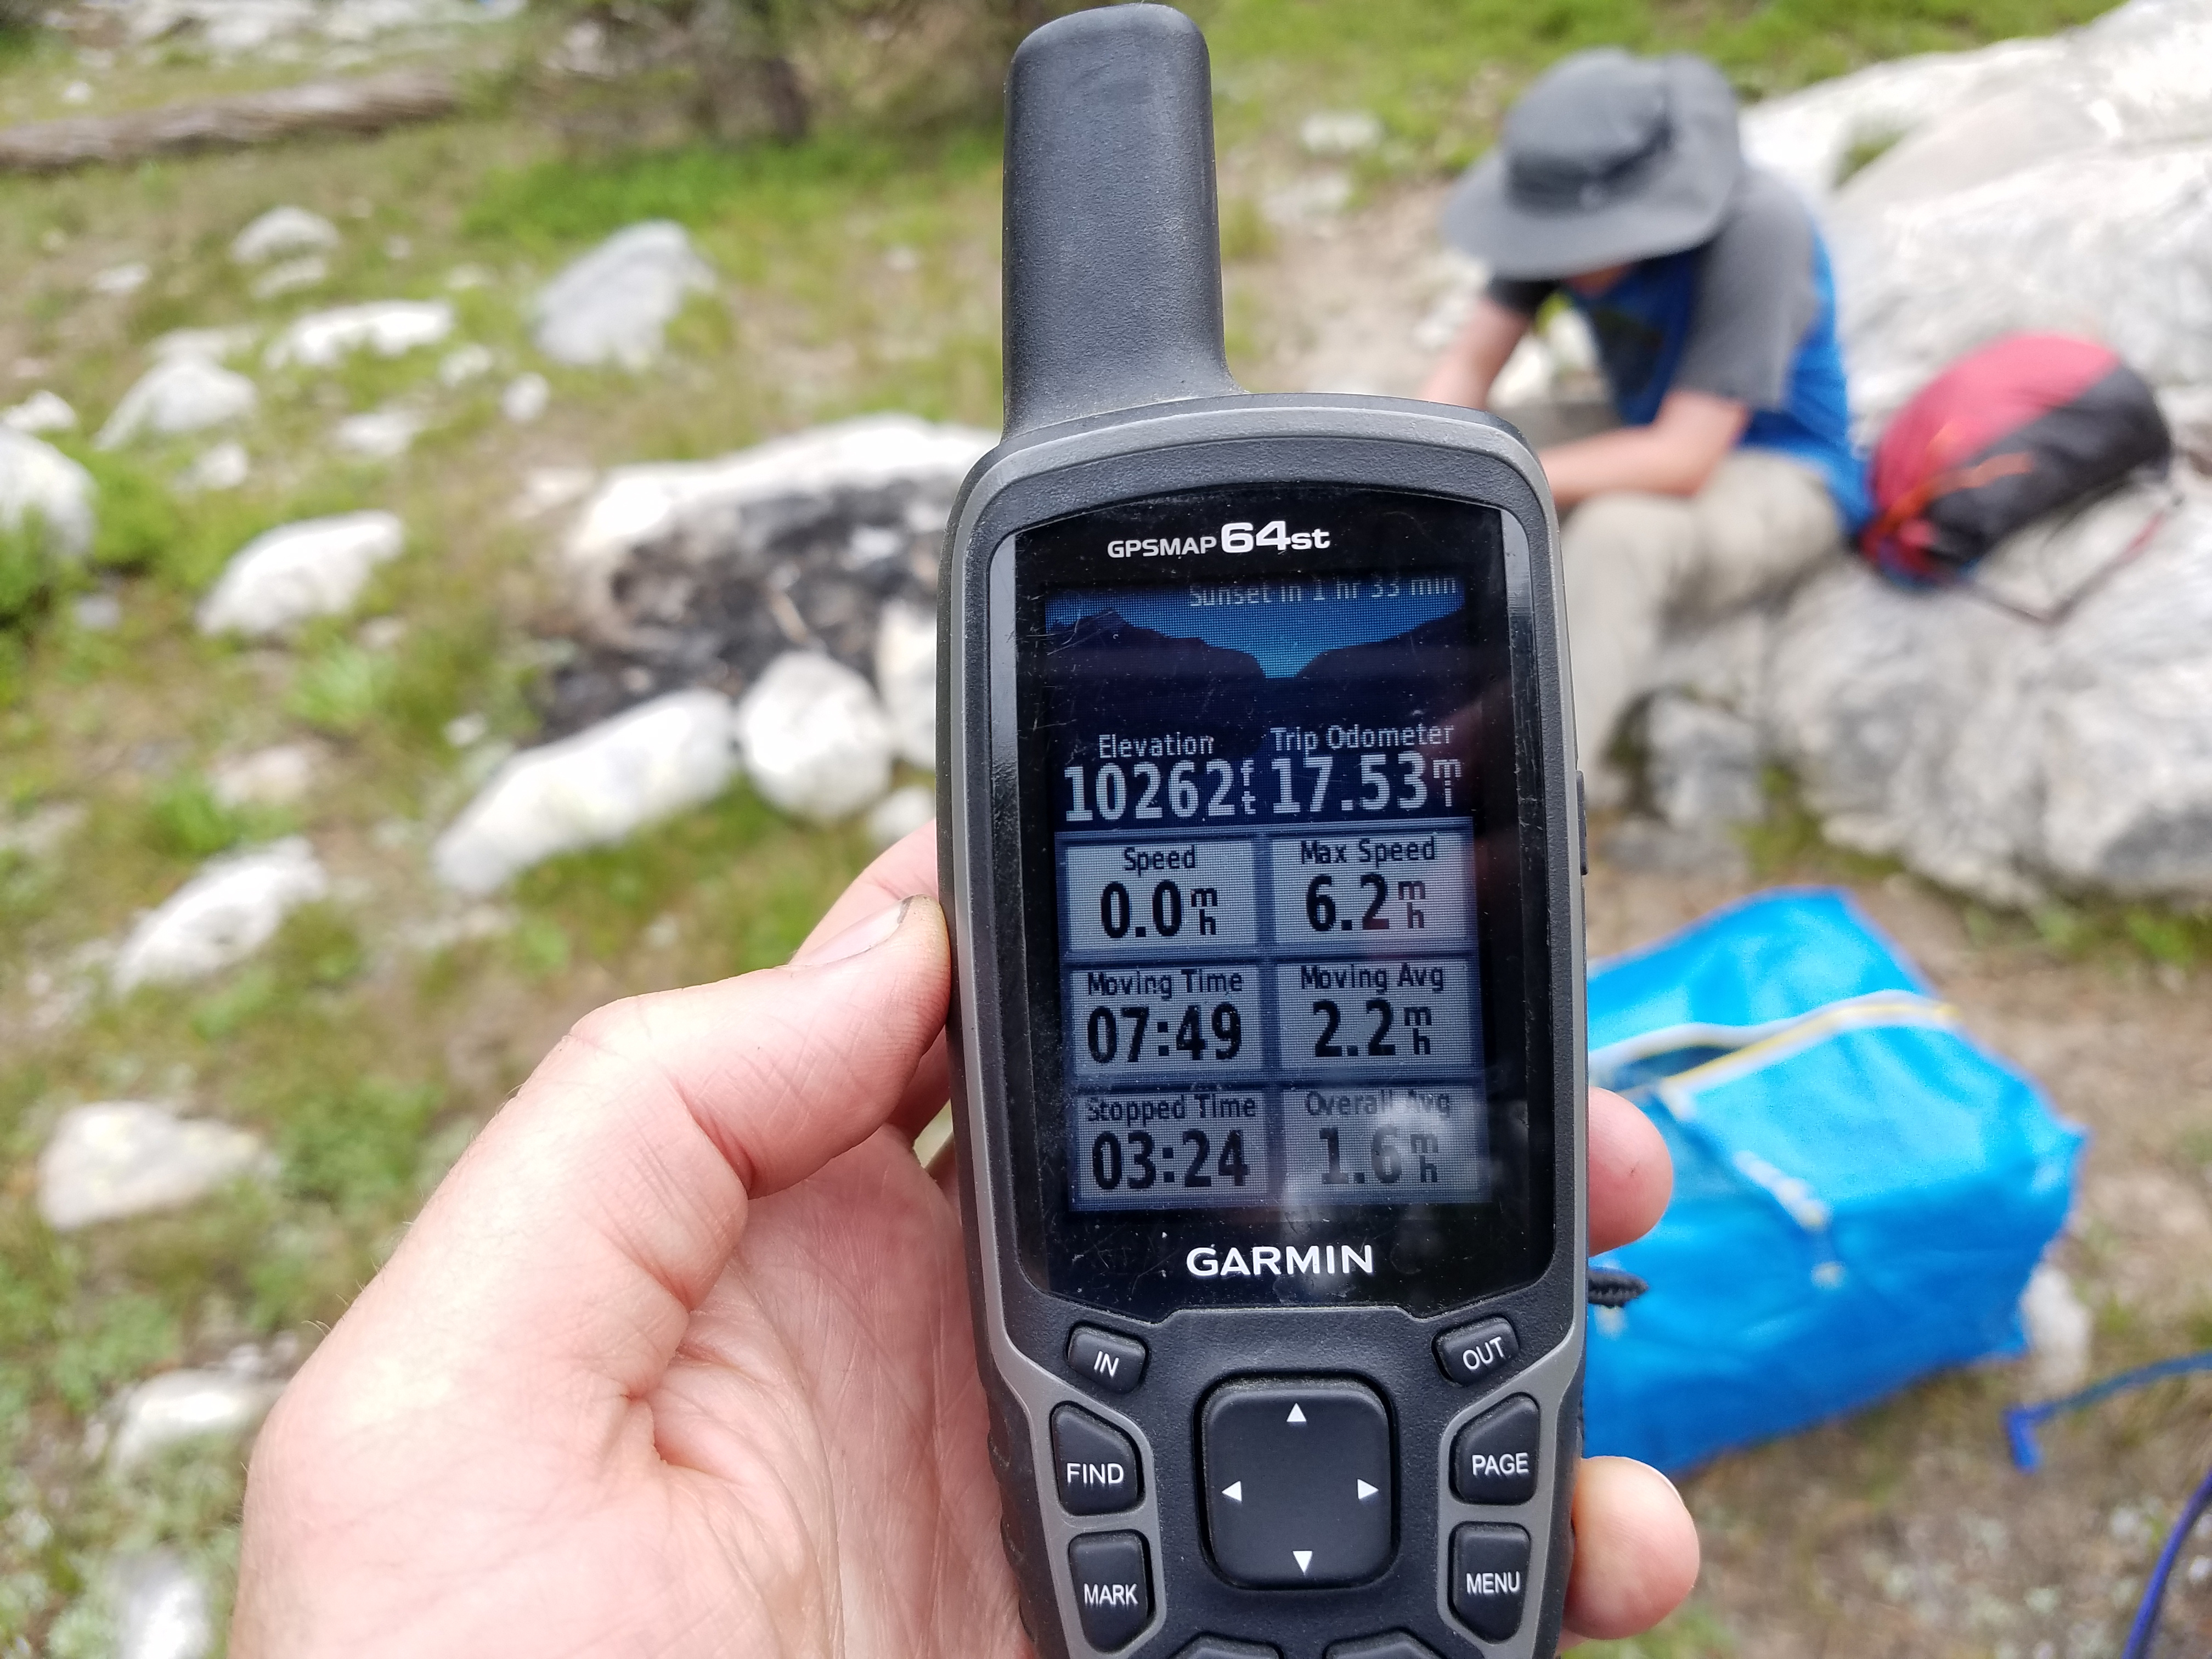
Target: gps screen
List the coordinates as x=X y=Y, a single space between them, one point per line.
x=1266 y=891
x=1276 y=953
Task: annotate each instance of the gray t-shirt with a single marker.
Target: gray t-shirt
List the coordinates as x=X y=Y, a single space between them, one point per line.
x=1728 y=319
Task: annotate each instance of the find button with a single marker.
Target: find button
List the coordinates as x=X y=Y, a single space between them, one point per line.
x=1476 y=1353
x=1095 y=1464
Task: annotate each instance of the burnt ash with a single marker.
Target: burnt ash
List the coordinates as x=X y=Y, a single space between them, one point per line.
x=732 y=587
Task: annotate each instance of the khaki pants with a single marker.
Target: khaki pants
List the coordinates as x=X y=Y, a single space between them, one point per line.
x=1637 y=562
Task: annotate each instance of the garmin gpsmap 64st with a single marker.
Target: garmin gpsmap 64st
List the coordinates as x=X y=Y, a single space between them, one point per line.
x=1261 y=842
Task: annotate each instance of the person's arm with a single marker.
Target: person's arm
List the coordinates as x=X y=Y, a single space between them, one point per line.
x=1673 y=456
x=1464 y=373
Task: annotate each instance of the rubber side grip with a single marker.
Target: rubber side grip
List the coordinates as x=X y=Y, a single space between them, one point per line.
x=1113 y=247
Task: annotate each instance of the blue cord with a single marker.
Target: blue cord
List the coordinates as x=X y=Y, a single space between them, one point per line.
x=2145 y=1629
x=2021 y=1422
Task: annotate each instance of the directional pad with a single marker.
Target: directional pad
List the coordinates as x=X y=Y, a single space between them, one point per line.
x=1298 y=1481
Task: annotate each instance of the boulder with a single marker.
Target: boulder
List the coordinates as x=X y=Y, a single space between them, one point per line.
x=610 y=307
x=906 y=679
x=223 y=915
x=316 y=567
x=390 y=328
x=2056 y=185
x=223 y=466
x=590 y=789
x=380 y=434
x=178 y=1407
x=179 y=395
x=2008 y=757
x=280 y=776
x=1704 y=764
x=1340 y=132
x=814 y=738
x=38 y=481
x=42 y=411
x=900 y=813
x=703 y=573
x=283 y=233
x=127 y=1157
x=161 y=1609
x=292 y=277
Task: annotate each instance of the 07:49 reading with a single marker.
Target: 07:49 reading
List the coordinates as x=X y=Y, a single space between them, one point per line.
x=1137 y=1161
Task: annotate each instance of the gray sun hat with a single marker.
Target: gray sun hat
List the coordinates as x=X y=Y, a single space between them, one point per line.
x=1606 y=160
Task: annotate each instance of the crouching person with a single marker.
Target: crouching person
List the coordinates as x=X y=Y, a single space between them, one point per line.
x=1620 y=183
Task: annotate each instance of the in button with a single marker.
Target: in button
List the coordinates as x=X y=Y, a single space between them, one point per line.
x=1106 y=1358
x=1095 y=1464
x=1112 y=1586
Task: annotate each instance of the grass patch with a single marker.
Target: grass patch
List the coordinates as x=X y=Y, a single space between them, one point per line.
x=568 y=200
x=185 y=819
x=1691 y=1633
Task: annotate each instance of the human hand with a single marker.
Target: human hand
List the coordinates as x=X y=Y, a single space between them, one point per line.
x=677 y=1360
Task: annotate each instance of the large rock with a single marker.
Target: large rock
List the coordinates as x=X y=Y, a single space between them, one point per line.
x=42 y=411
x=2008 y=757
x=906 y=679
x=283 y=233
x=161 y=1609
x=2058 y=184
x=38 y=481
x=180 y=1407
x=127 y=1157
x=814 y=737
x=179 y=395
x=595 y=787
x=610 y=307
x=390 y=328
x=223 y=915
x=283 y=577
x=703 y=573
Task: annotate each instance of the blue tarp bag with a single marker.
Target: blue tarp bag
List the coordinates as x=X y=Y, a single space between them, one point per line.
x=1861 y=1191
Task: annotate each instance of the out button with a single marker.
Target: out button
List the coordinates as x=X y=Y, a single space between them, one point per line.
x=1474 y=1353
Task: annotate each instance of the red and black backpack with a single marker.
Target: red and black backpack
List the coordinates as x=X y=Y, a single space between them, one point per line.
x=2009 y=432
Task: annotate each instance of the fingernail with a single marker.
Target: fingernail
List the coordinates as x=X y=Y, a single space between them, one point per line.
x=863 y=935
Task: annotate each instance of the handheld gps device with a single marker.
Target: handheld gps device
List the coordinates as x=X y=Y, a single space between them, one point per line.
x=1261 y=846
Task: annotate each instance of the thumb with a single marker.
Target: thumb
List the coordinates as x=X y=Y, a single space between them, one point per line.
x=597 y=1208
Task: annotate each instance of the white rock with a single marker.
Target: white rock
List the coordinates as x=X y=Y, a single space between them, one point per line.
x=226 y=467
x=610 y=307
x=591 y=789
x=1340 y=132
x=900 y=813
x=77 y=92
x=906 y=679
x=465 y=363
x=223 y=915
x=121 y=279
x=42 y=411
x=180 y=1407
x=214 y=345
x=283 y=232
x=814 y=738
x=291 y=277
x=282 y=577
x=1313 y=200
x=97 y=613
x=2002 y=756
x=390 y=328
x=380 y=434
x=638 y=504
x=37 y=481
x=162 y=1609
x=2058 y=1331
x=126 y=1158
x=525 y=399
x=547 y=488
x=179 y=395
x=1704 y=764
x=280 y=776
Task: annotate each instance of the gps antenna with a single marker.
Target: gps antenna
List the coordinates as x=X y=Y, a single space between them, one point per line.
x=1113 y=254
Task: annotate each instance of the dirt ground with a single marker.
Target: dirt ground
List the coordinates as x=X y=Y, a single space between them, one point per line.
x=1904 y=1530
